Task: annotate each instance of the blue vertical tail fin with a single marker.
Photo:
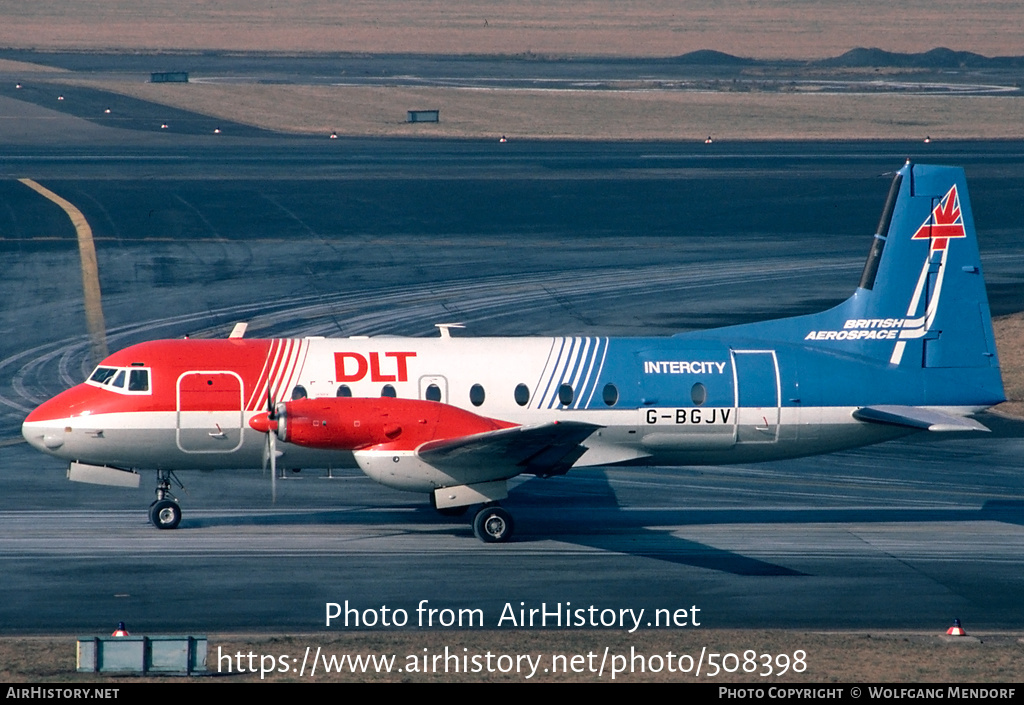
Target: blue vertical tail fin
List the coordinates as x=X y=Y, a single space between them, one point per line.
x=921 y=301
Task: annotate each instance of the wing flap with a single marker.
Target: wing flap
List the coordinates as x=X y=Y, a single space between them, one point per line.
x=916 y=417
x=546 y=449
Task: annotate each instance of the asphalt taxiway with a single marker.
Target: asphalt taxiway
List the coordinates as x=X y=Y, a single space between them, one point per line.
x=345 y=237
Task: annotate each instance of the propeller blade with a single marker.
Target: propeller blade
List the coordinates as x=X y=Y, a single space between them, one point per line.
x=272 y=452
x=270 y=428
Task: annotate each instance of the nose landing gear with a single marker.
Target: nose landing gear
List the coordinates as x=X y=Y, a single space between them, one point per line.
x=164 y=512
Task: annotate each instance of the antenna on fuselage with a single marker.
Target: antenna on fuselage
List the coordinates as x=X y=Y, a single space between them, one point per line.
x=446 y=328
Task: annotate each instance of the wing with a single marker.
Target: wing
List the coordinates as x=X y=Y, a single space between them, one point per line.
x=915 y=417
x=546 y=449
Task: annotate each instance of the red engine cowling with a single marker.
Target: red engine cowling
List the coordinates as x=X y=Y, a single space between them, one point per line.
x=347 y=423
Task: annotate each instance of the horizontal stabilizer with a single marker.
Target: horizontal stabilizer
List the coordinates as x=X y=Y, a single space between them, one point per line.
x=916 y=417
x=547 y=449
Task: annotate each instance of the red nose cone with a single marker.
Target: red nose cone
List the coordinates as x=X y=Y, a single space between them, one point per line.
x=78 y=401
x=262 y=423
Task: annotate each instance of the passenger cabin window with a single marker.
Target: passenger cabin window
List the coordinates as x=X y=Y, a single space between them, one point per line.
x=433 y=393
x=610 y=394
x=476 y=395
x=565 y=394
x=699 y=394
x=344 y=391
x=123 y=380
x=522 y=394
x=388 y=391
x=298 y=392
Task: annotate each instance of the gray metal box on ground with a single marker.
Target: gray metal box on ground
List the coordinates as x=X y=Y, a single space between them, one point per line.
x=142 y=654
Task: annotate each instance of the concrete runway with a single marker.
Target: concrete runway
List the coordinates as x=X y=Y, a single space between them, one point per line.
x=345 y=237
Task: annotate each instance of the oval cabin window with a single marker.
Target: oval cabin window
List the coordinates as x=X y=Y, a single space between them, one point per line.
x=565 y=394
x=476 y=395
x=610 y=394
x=522 y=394
x=699 y=394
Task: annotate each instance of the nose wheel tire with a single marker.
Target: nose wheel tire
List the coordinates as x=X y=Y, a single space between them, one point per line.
x=165 y=514
x=493 y=525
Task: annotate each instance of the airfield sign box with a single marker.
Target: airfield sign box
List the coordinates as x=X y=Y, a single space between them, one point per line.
x=142 y=654
x=423 y=116
x=169 y=77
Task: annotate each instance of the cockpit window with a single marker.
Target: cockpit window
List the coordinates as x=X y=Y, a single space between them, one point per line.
x=123 y=380
x=103 y=375
x=138 y=381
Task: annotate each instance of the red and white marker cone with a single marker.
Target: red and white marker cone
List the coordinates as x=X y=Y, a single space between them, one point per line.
x=121 y=630
x=956 y=629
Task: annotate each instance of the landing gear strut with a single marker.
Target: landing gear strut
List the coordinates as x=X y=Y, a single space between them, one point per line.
x=164 y=513
x=492 y=524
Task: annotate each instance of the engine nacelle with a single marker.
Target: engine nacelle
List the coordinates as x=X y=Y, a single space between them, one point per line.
x=347 y=423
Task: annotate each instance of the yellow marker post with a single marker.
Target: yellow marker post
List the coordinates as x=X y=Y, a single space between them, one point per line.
x=90 y=271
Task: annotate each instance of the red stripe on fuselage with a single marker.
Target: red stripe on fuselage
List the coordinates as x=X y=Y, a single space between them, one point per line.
x=258 y=399
x=280 y=377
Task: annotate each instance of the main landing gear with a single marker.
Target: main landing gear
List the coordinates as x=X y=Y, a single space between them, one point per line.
x=164 y=512
x=492 y=524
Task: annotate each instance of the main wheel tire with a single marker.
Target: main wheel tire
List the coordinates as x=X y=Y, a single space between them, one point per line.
x=493 y=525
x=165 y=514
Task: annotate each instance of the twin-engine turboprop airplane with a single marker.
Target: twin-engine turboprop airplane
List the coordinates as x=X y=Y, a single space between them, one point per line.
x=454 y=417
